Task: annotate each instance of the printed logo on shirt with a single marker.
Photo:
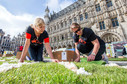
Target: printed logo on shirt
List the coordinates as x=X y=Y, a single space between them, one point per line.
x=82 y=40
x=35 y=41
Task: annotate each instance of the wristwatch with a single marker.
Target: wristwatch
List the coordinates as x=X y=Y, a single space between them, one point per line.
x=93 y=54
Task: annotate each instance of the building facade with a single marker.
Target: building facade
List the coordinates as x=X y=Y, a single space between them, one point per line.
x=17 y=41
x=107 y=18
x=1 y=36
x=5 y=43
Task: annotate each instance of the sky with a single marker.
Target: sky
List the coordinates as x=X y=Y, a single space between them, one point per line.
x=16 y=15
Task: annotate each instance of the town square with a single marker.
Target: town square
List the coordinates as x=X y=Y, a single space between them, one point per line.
x=63 y=42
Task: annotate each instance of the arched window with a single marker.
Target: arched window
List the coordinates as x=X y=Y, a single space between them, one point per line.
x=65 y=23
x=70 y=21
x=61 y=24
x=98 y=7
x=54 y=39
x=57 y=26
x=102 y=25
x=115 y=22
x=109 y=3
x=54 y=27
x=71 y=34
x=62 y=37
x=75 y=19
x=66 y=36
x=86 y=15
x=81 y=17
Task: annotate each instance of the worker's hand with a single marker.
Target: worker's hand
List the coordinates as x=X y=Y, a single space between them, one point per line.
x=77 y=59
x=55 y=60
x=21 y=60
x=91 y=58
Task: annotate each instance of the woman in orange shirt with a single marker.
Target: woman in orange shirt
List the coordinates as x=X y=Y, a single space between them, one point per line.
x=35 y=35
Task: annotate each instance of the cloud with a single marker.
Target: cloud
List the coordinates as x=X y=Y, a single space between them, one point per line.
x=57 y=5
x=14 y=24
x=65 y=3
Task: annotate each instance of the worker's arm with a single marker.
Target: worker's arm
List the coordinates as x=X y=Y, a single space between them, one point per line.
x=96 y=47
x=25 y=49
x=77 y=53
x=49 y=50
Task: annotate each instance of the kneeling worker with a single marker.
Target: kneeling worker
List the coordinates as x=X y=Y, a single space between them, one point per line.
x=86 y=41
x=35 y=35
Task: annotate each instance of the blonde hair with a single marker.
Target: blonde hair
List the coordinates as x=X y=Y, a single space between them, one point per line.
x=76 y=25
x=39 y=22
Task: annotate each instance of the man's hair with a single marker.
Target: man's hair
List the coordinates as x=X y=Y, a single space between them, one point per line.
x=76 y=25
x=39 y=22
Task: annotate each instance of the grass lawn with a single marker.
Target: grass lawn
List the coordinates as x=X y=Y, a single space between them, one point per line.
x=99 y=62
x=93 y=62
x=117 y=59
x=54 y=73
x=46 y=57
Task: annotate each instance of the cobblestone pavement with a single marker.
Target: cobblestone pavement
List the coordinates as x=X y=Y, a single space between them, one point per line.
x=121 y=63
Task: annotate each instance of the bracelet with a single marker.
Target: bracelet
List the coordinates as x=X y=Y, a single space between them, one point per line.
x=93 y=54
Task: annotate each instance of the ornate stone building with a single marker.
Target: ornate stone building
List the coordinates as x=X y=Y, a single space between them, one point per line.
x=5 y=43
x=107 y=18
x=1 y=37
x=18 y=41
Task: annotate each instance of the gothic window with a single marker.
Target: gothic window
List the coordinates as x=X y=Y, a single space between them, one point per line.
x=98 y=7
x=54 y=27
x=57 y=38
x=86 y=15
x=102 y=25
x=57 y=26
x=62 y=37
x=115 y=22
x=71 y=34
x=70 y=21
x=75 y=19
x=51 y=29
x=66 y=37
x=61 y=24
x=54 y=39
x=109 y=3
x=65 y=23
x=81 y=17
x=48 y=30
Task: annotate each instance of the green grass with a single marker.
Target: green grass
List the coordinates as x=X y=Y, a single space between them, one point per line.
x=1 y=63
x=92 y=62
x=46 y=57
x=117 y=59
x=54 y=73
x=101 y=62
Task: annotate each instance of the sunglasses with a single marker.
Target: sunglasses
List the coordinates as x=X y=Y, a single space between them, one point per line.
x=77 y=30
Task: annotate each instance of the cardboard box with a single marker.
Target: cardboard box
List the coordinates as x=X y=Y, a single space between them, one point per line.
x=65 y=55
x=120 y=56
x=8 y=55
x=0 y=55
x=18 y=55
